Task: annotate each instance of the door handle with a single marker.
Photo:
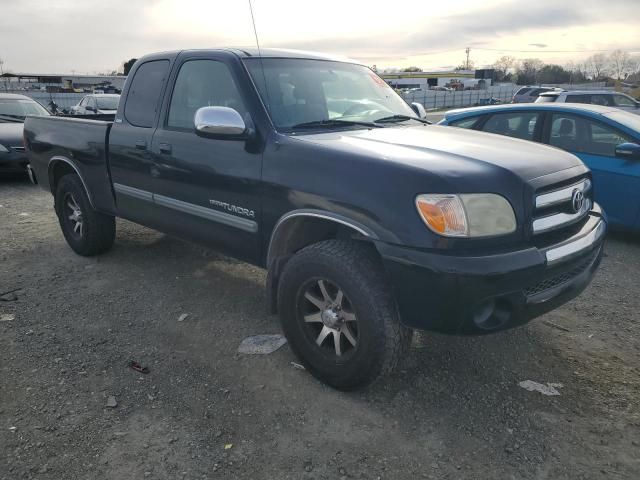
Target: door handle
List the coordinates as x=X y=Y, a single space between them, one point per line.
x=141 y=145
x=164 y=148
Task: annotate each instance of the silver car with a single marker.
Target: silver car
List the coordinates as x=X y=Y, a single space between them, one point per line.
x=605 y=98
x=97 y=104
x=529 y=94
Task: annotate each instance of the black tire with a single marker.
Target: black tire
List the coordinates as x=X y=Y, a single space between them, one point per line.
x=97 y=231
x=331 y=267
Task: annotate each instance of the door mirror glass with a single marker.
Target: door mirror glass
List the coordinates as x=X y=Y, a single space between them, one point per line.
x=219 y=122
x=419 y=109
x=630 y=151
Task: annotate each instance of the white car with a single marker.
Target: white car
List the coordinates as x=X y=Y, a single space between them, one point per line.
x=594 y=97
x=98 y=104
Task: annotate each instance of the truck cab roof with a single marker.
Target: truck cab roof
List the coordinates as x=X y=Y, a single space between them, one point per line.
x=251 y=52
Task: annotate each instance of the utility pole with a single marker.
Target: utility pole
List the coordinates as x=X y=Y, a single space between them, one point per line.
x=467 y=50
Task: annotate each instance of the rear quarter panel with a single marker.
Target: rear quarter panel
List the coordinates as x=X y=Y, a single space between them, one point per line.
x=81 y=144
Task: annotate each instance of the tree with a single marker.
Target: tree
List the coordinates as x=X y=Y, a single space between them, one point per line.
x=553 y=74
x=411 y=69
x=128 y=64
x=502 y=68
x=597 y=65
x=620 y=61
x=464 y=66
x=528 y=70
x=577 y=72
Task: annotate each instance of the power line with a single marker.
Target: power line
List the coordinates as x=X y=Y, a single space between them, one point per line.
x=437 y=52
x=542 y=50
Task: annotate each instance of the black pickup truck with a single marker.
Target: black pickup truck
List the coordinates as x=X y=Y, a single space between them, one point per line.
x=370 y=221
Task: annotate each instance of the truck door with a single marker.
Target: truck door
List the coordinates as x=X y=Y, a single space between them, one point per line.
x=130 y=138
x=208 y=189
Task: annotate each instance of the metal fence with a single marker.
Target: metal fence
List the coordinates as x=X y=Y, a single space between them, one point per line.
x=434 y=100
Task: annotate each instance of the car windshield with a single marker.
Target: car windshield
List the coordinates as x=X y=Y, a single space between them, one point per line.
x=324 y=93
x=546 y=98
x=108 y=103
x=626 y=119
x=17 y=109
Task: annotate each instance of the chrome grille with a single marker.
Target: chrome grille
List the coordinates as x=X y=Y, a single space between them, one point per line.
x=561 y=207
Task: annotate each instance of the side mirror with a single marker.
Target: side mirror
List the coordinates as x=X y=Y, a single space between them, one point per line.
x=90 y=108
x=219 y=122
x=629 y=151
x=419 y=109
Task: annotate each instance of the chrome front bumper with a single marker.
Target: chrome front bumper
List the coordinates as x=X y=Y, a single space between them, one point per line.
x=589 y=236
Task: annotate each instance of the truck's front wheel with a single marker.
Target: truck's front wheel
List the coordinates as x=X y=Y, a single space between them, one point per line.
x=338 y=314
x=87 y=231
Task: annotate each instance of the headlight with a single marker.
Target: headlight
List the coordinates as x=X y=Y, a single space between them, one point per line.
x=3 y=149
x=467 y=215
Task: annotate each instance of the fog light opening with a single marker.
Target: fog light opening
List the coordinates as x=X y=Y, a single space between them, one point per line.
x=492 y=314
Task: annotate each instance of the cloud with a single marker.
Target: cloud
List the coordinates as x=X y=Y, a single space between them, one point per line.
x=65 y=35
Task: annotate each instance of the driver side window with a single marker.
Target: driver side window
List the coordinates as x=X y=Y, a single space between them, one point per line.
x=202 y=83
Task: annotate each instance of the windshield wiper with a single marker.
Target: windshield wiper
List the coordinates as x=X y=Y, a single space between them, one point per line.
x=334 y=123
x=401 y=118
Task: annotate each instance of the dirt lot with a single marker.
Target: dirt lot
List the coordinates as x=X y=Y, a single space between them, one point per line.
x=454 y=411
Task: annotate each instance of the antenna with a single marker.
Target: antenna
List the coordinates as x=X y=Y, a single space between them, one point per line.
x=264 y=77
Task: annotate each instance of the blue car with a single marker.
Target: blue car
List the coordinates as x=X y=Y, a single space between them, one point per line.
x=606 y=139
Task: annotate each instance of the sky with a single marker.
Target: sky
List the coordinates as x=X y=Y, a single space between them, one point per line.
x=67 y=36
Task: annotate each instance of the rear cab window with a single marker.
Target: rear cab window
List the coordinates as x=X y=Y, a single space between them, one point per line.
x=143 y=98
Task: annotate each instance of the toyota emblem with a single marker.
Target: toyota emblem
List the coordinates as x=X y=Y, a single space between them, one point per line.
x=577 y=200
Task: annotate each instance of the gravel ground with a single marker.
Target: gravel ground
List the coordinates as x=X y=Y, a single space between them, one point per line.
x=454 y=411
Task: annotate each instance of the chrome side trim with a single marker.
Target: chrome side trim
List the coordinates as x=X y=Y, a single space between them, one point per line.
x=550 y=222
x=133 y=192
x=58 y=158
x=561 y=195
x=185 y=207
x=316 y=214
x=206 y=213
x=558 y=254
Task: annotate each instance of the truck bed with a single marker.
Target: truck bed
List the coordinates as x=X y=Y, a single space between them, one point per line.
x=57 y=143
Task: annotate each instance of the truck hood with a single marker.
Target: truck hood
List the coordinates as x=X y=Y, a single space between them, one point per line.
x=448 y=150
x=11 y=134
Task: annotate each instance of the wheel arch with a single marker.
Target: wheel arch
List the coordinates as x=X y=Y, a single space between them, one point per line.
x=300 y=228
x=60 y=166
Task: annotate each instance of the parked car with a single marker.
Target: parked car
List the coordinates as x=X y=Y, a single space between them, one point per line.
x=605 y=98
x=13 y=110
x=97 y=104
x=529 y=94
x=369 y=220
x=606 y=139
x=441 y=89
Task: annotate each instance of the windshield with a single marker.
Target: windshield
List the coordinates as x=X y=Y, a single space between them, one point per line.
x=18 y=109
x=546 y=98
x=302 y=91
x=627 y=119
x=108 y=103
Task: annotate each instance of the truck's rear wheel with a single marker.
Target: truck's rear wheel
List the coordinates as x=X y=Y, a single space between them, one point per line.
x=338 y=314
x=87 y=232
